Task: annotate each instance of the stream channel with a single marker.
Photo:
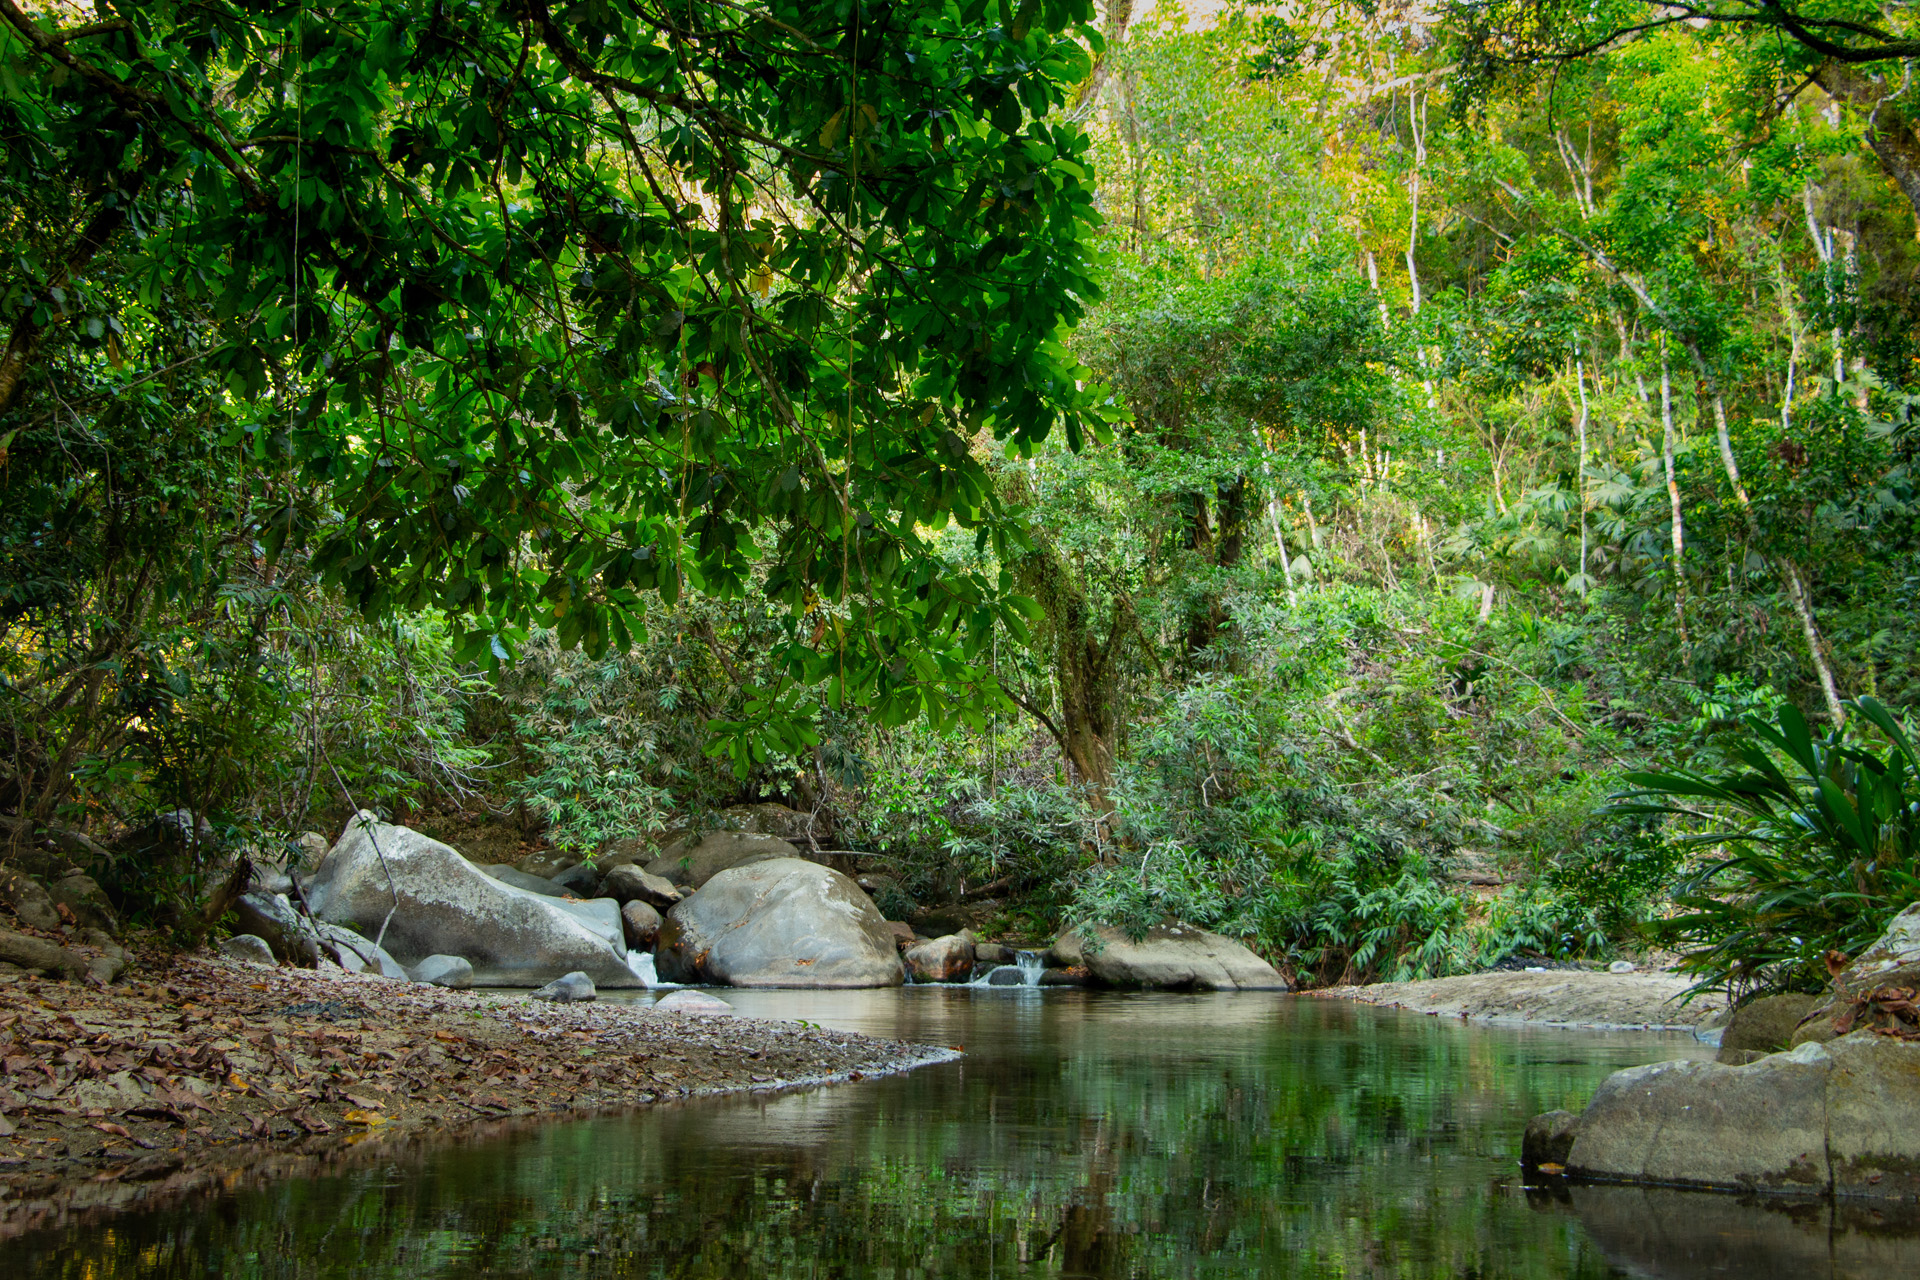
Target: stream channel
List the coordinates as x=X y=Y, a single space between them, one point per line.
x=1098 y=1135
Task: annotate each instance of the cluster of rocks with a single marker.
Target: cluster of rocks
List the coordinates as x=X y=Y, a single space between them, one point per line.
x=1815 y=1095
x=1169 y=956
x=720 y=908
x=728 y=907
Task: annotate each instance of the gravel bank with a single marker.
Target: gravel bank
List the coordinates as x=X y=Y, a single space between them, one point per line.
x=1564 y=998
x=116 y=1097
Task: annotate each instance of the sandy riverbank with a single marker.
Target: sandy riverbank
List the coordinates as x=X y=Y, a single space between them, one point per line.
x=187 y=1075
x=1559 y=998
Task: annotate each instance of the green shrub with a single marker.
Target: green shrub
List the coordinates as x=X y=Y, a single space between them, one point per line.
x=1812 y=843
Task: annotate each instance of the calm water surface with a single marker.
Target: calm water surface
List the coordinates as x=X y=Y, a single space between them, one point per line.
x=1082 y=1135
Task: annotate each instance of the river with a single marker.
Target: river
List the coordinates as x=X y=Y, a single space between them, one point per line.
x=1084 y=1135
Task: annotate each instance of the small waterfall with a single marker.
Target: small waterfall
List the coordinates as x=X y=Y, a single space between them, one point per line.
x=641 y=962
x=1025 y=972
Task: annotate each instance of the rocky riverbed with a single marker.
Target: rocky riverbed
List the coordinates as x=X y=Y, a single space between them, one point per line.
x=195 y=1069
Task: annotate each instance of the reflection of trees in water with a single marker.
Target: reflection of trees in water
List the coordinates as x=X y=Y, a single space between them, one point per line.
x=1092 y=1138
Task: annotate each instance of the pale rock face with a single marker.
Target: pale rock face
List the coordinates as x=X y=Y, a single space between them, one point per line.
x=784 y=922
x=448 y=906
x=692 y=1002
x=629 y=883
x=1173 y=956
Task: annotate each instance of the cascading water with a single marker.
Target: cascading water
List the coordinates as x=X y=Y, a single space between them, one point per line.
x=1025 y=972
x=641 y=962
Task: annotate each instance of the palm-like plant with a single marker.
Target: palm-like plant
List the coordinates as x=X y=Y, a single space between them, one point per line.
x=1814 y=840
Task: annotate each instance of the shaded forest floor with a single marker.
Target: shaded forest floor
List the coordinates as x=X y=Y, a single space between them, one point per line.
x=196 y=1069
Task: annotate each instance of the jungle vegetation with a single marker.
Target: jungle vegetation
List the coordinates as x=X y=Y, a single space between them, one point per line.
x=1407 y=486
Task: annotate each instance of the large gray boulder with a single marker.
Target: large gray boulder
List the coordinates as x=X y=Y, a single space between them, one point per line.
x=444 y=971
x=356 y=954
x=507 y=873
x=1175 y=956
x=248 y=948
x=784 y=922
x=448 y=906
x=1841 y=1118
x=694 y=862
x=642 y=923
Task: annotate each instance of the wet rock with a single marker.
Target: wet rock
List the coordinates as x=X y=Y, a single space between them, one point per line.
x=1760 y=1027
x=695 y=862
x=444 y=971
x=1548 y=1140
x=993 y=953
x=642 y=924
x=1172 y=956
x=783 y=922
x=1065 y=978
x=948 y=959
x=568 y=989
x=691 y=1002
x=1007 y=975
x=448 y=906
x=505 y=873
x=248 y=947
x=629 y=883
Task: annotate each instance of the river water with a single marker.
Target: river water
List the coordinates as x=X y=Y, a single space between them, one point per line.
x=1081 y=1135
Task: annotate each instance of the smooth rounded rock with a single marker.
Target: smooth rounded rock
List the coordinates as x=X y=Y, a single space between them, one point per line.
x=784 y=922
x=1760 y=1027
x=1171 y=956
x=507 y=873
x=249 y=948
x=444 y=971
x=691 y=1002
x=642 y=924
x=948 y=959
x=1622 y=966
x=572 y=988
x=582 y=881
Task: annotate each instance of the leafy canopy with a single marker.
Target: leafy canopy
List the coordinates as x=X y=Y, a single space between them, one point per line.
x=559 y=306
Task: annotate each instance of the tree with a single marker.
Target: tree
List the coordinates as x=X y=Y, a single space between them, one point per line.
x=557 y=307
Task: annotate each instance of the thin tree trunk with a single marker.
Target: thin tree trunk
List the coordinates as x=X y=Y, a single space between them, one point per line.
x=1673 y=501
x=1580 y=381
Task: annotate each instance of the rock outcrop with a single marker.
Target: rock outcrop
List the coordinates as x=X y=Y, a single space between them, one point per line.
x=782 y=922
x=1841 y=1118
x=1891 y=964
x=642 y=924
x=695 y=862
x=448 y=906
x=507 y=873
x=1174 y=956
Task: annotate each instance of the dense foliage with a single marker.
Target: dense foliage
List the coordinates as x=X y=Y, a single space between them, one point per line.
x=601 y=416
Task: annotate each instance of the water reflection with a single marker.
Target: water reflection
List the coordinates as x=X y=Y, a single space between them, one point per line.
x=1082 y=1135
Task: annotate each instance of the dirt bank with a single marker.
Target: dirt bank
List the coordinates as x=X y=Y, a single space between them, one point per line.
x=115 y=1096
x=1565 y=998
